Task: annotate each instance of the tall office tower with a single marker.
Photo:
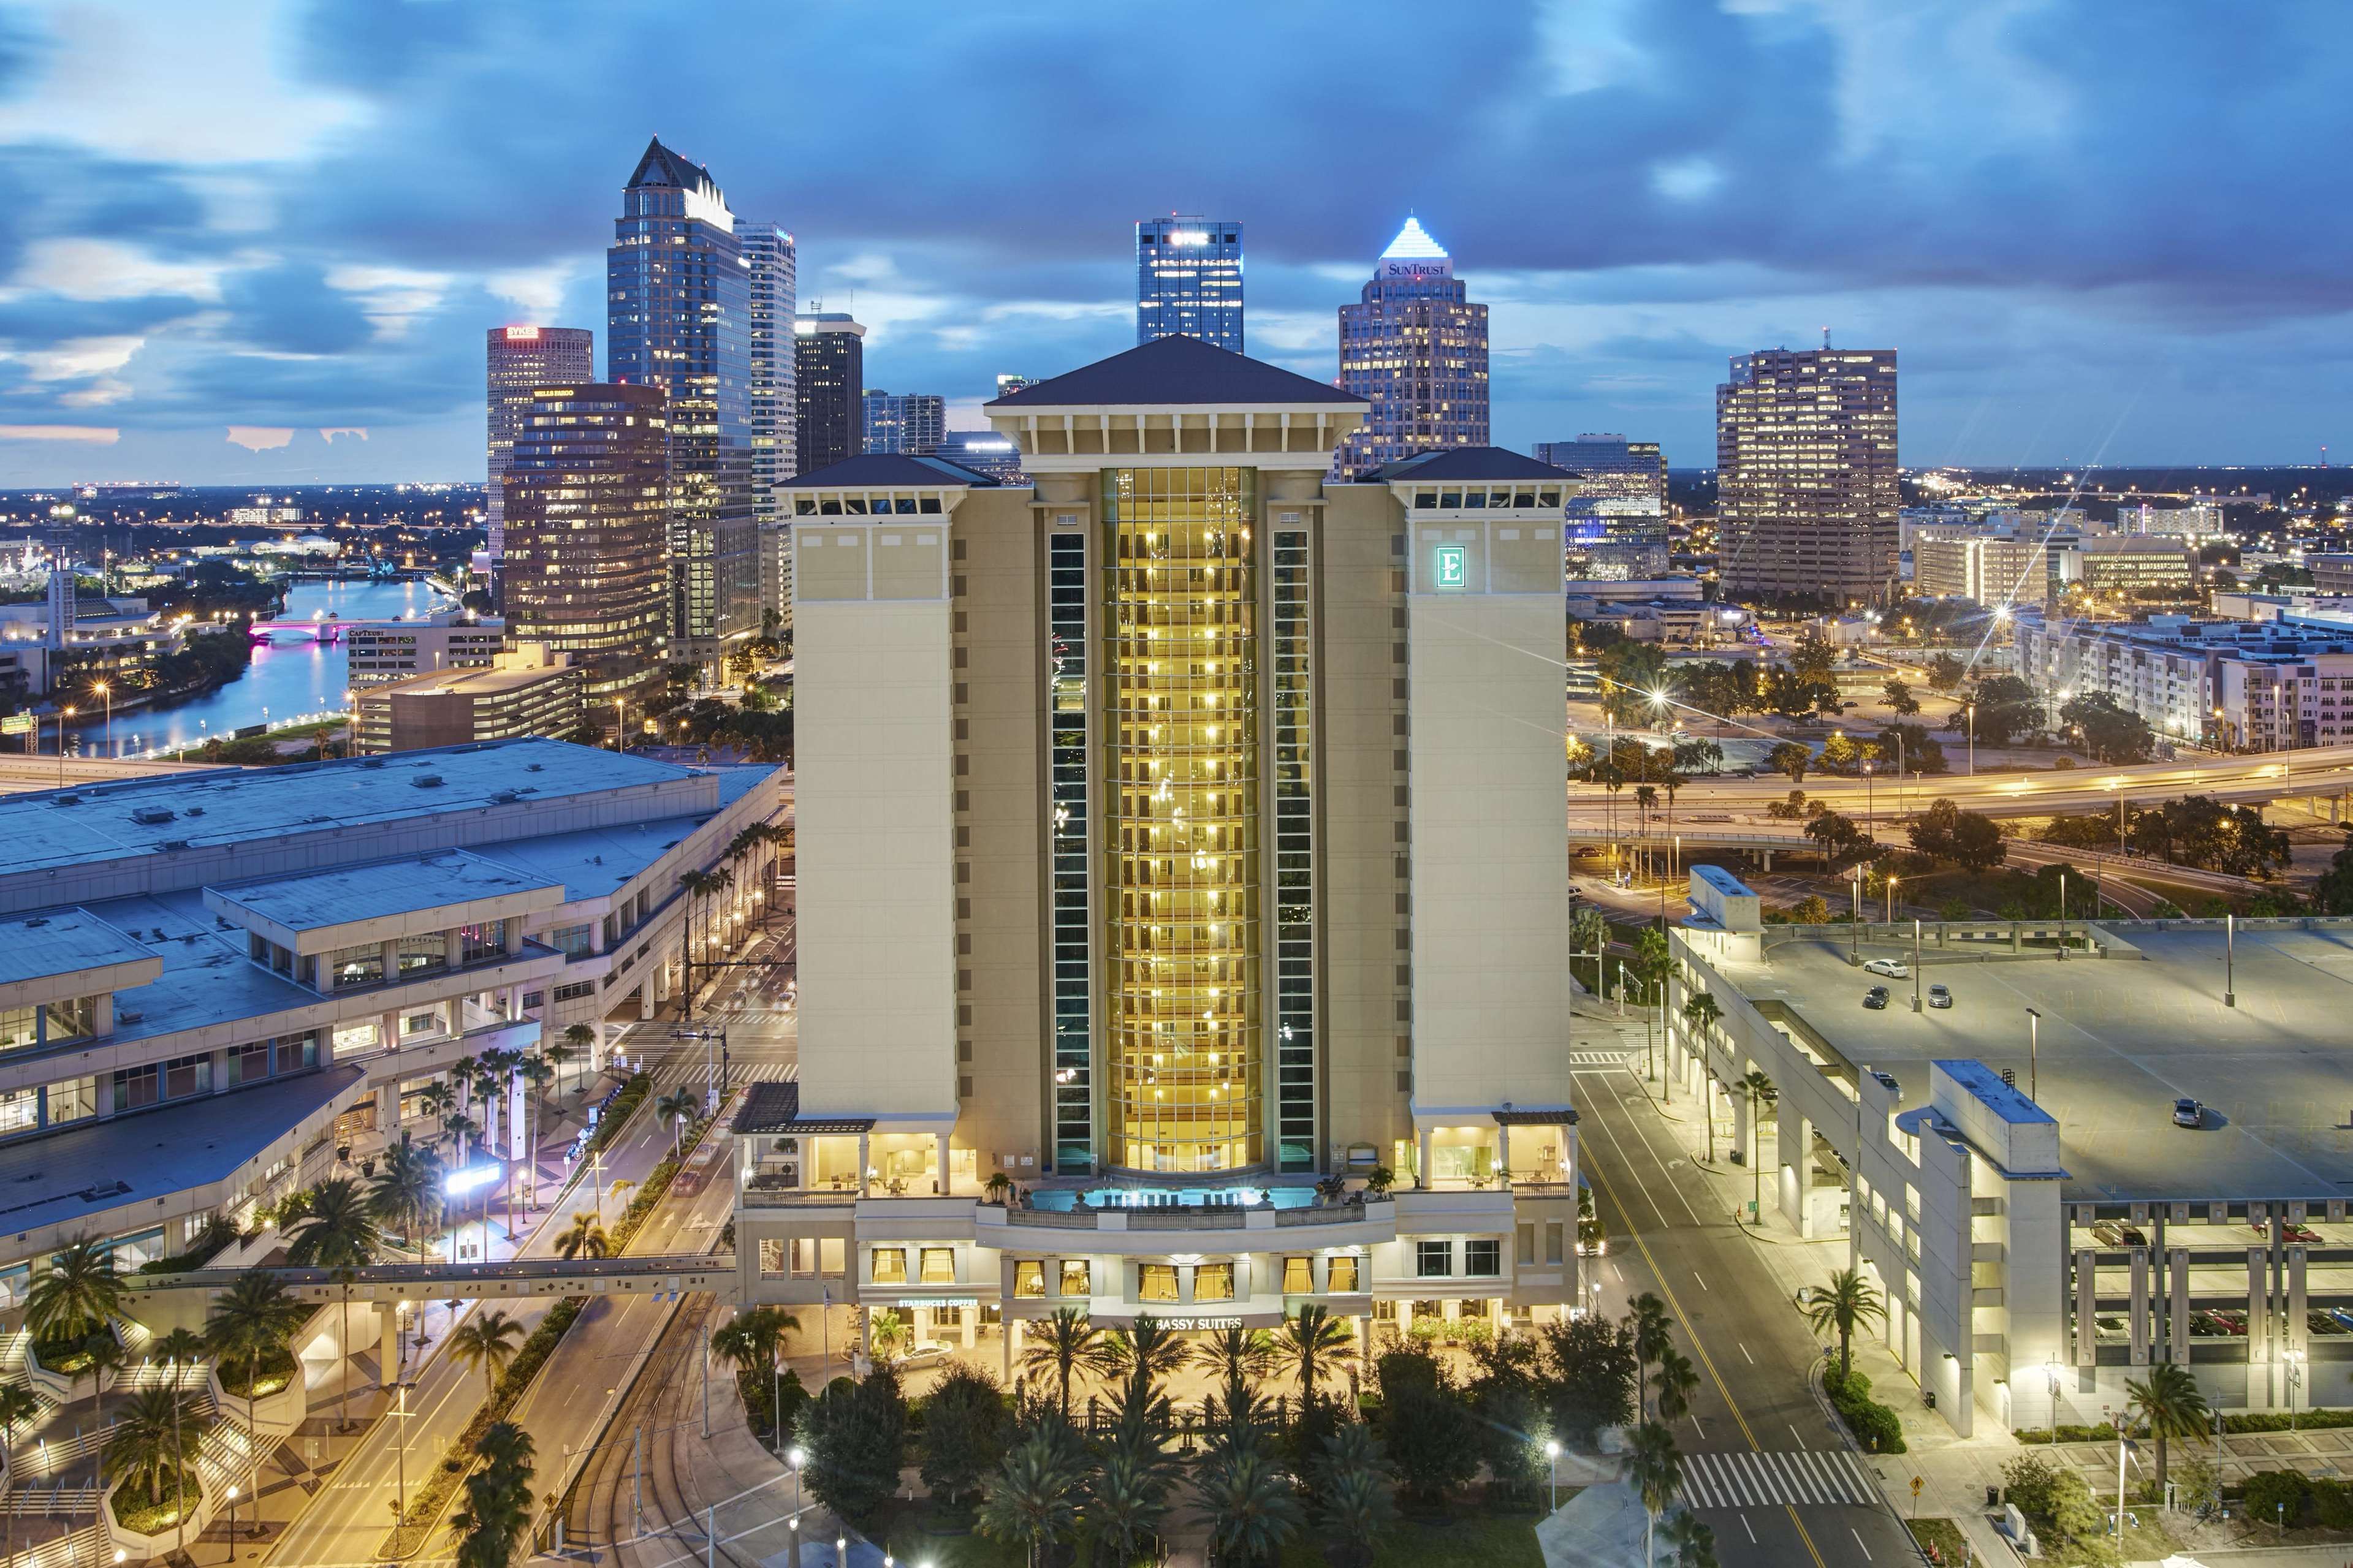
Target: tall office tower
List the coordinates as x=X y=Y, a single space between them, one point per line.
x=521 y=358
x=775 y=453
x=1617 y=506
x=908 y=422
x=1177 y=815
x=1806 y=492
x=1188 y=279
x=587 y=537
x=1611 y=467
x=679 y=295
x=1415 y=348
x=829 y=370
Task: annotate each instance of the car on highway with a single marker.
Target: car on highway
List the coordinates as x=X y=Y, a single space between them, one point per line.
x=2188 y=1112
x=1875 y=998
x=1893 y=968
x=1938 y=996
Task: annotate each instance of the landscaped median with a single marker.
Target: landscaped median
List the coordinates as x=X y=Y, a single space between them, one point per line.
x=1874 y=1425
x=427 y=1505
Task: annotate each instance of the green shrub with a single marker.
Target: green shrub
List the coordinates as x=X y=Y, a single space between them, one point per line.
x=1874 y=1425
x=2278 y=1495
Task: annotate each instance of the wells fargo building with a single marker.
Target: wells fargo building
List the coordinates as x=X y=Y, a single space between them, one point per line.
x=1176 y=833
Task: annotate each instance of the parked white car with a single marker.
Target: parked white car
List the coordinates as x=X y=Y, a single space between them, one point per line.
x=1893 y=968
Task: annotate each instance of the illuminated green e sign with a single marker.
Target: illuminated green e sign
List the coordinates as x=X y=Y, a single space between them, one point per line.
x=1452 y=570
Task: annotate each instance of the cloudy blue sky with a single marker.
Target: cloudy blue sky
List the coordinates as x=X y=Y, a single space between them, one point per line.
x=257 y=241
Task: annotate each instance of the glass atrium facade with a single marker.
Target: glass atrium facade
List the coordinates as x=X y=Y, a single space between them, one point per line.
x=1182 y=887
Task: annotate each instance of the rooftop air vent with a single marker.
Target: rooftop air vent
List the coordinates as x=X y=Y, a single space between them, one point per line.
x=130 y=1017
x=39 y=921
x=67 y=800
x=426 y=781
x=506 y=797
x=153 y=816
x=370 y=762
x=196 y=811
x=175 y=844
x=534 y=767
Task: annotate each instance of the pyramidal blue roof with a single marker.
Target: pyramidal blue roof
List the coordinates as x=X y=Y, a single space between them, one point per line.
x=1468 y=463
x=1413 y=244
x=889 y=471
x=660 y=166
x=1175 y=370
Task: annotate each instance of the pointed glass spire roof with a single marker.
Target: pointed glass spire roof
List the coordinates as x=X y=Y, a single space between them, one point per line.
x=1413 y=244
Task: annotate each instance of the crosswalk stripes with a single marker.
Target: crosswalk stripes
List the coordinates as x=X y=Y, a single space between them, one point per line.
x=1599 y=1060
x=1757 y=1480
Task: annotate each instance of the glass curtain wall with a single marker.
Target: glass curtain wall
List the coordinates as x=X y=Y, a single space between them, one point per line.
x=1180 y=592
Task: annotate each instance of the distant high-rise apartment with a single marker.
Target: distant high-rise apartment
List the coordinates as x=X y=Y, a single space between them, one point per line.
x=1806 y=491
x=1416 y=349
x=1188 y=281
x=908 y=422
x=984 y=452
x=521 y=358
x=678 y=293
x=587 y=491
x=829 y=369
x=775 y=453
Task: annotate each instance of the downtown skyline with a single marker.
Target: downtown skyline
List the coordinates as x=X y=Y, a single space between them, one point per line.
x=244 y=240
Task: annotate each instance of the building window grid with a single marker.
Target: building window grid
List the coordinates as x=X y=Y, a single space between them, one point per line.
x=1294 y=878
x=1179 y=597
x=1073 y=924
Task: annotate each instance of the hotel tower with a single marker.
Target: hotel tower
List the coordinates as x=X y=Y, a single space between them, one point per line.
x=1180 y=850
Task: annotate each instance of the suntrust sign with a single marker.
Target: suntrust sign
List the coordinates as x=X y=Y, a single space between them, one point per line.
x=1411 y=269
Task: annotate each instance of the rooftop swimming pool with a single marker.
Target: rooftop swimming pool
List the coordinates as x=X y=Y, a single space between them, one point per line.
x=1174 y=1197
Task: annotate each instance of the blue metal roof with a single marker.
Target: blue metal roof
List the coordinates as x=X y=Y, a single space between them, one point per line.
x=344 y=894
x=889 y=470
x=1175 y=370
x=61 y=941
x=1459 y=463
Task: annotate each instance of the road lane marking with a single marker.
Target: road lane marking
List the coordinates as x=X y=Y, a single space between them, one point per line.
x=1700 y=1348
x=1858 y=1541
x=1749 y=1528
x=1743 y=1353
x=1702 y=1284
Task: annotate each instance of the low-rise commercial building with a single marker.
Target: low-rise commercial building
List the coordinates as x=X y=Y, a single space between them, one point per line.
x=210 y=982
x=2009 y=1171
x=431 y=644
x=530 y=691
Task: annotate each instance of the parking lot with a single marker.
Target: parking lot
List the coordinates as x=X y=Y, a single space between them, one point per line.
x=2120 y=1039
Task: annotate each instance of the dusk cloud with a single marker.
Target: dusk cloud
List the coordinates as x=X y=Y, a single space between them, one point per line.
x=2083 y=236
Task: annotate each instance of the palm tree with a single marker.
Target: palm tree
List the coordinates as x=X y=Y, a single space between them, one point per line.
x=1762 y=1097
x=539 y=1073
x=1142 y=1355
x=753 y=1339
x=2169 y=1402
x=1127 y=1502
x=674 y=1111
x=585 y=1238
x=581 y=1039
x=407 y=1191
x=497 y=1499
x=77 y=1295
x=1034 y=1499
x=180 y=1348
x=1701 y=1012
x=339 y=1233
x=458 y=1126
x=106 y=1355
x=1657 y=1472
x=1062 y=1345
x=1252 y=1507
x=437 y=1100
x=486 y=1342
x=1354 y=1502
x=1651 y=1339
x=146 y=1451
x=1237 y=1354
x=1692 y=1541
x=1839 y=1306
x=1313 y=1342
x=17 y=1408
x=1676 y=1383
x=253 y=1318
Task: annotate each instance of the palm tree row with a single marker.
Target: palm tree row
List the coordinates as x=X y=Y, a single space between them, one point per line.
x=1665 y=1383
x=1313 y=1345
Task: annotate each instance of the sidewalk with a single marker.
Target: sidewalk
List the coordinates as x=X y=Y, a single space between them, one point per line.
x=1954 y=1472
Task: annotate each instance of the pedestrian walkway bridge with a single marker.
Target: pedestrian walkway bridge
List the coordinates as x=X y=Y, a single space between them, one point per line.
x=655 y=1274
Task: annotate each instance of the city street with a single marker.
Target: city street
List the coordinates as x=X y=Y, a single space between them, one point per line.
x=1764 y=1466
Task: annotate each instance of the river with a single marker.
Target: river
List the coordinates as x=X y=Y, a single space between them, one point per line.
x=284 y=681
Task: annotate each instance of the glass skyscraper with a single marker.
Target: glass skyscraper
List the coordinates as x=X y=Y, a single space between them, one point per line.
x=829 y=360
x=908 y=422
x=679 y=296
x=1188 y=281
x=769 y=255
x=1415 y=347
x=1805 y=481
x=521 y=358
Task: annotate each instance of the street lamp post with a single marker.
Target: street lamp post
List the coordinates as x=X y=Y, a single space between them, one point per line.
x=107 y=692
x=2050 y=1365
x=2294 y=1384
x=2034 y=1054
x=2230 y=960
x=61 y=744
x=1552 y=1453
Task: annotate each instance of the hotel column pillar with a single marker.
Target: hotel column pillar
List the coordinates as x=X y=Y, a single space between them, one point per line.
x=1421 y=1176
x=944 y=1183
